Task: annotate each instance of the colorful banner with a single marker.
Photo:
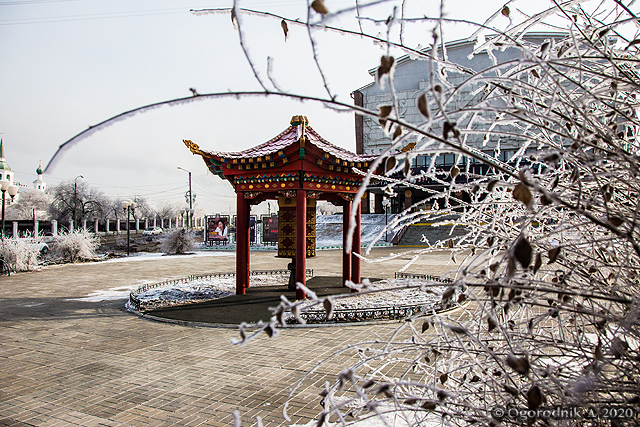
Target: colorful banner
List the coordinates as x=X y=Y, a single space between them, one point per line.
x=218 y=228
x=270 y=228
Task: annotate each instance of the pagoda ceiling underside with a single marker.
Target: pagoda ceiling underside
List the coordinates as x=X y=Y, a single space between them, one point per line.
x=298 y=158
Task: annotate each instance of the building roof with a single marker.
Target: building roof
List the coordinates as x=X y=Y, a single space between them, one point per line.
x=288 y=137
x=469 y=43
x=297 y=158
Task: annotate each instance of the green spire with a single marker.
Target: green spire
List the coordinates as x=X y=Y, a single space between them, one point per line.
x=3 y=163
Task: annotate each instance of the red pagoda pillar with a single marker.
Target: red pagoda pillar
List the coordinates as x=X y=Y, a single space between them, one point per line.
x=355 y=246
x=247 y=241
x=346 y=256
x=301 y=241
x=242 y=244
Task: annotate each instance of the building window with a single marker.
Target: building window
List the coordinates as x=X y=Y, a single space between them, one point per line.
x=445 y=159
x=506 y=155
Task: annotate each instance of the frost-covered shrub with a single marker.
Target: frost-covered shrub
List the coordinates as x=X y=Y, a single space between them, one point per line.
x=178 y=241
x=543 y=186
x=20 y=254
x=76 y=245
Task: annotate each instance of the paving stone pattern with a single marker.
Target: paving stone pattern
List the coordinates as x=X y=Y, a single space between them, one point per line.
x=75 y=362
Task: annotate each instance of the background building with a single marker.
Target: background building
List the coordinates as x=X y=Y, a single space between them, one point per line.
x=39 y=183
x=411 y=78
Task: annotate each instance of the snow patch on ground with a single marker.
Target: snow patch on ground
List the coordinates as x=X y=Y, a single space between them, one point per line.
x=384 y=293
x=379 y=294
x=201 y=290
x=33 y=305
x=111 y=294
x=386 y=418
x=147 y=256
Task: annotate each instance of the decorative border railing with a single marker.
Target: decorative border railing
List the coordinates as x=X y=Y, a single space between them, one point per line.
x=135 y=302
x=232 y=246
x=421 y=276
x=391 y=312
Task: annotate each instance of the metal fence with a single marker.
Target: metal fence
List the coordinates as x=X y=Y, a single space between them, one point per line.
x=134 y=301
x=391 y=312
x=422 y=276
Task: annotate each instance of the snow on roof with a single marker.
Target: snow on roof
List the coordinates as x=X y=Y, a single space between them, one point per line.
x=287 y=138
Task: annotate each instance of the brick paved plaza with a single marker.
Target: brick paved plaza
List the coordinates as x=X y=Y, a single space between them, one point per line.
x=70 y=360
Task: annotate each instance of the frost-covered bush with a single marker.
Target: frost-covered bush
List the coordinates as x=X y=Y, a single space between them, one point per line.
x=20 y=254
x=549 y=246
x=178 y=241
x=76 y=245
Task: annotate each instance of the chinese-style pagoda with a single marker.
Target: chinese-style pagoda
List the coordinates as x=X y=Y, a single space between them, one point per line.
x=297 y=168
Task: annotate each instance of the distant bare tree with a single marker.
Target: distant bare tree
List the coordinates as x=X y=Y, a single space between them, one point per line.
x=32 y=202
x=142 y=208
x=75 y=199
x=167 y=211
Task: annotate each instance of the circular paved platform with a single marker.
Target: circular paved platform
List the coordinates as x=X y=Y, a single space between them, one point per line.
x=71 y=355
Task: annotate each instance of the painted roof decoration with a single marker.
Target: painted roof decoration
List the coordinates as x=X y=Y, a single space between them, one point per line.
x=278 y=163
x=290 y=136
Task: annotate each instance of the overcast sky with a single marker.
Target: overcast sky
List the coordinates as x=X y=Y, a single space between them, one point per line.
x=68 y=64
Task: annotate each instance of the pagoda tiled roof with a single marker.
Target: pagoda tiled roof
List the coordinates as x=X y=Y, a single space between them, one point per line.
x=289 y=137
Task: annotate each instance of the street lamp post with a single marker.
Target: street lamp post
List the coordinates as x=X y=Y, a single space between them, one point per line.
x=4 y=186
x=190 y=197
x=128 y=205
x=75 y=198
x=182 y=211
x=386 y=203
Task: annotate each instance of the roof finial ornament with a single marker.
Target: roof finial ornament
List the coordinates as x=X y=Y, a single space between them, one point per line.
x=299 y=120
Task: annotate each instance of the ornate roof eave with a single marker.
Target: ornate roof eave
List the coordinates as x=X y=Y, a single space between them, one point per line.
x=271 y=147
x=298 y=134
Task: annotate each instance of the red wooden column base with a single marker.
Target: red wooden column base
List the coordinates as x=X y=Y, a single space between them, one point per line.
x=346 y=257
x=355 y=248
x=301 y=241
x=242 y=245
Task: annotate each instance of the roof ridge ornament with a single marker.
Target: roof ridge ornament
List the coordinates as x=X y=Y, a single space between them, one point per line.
x=299 y=120
x=195 y=149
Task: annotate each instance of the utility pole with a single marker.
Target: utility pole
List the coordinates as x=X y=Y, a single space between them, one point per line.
x=127 y=206
x=190 y=200
x=75 y=199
